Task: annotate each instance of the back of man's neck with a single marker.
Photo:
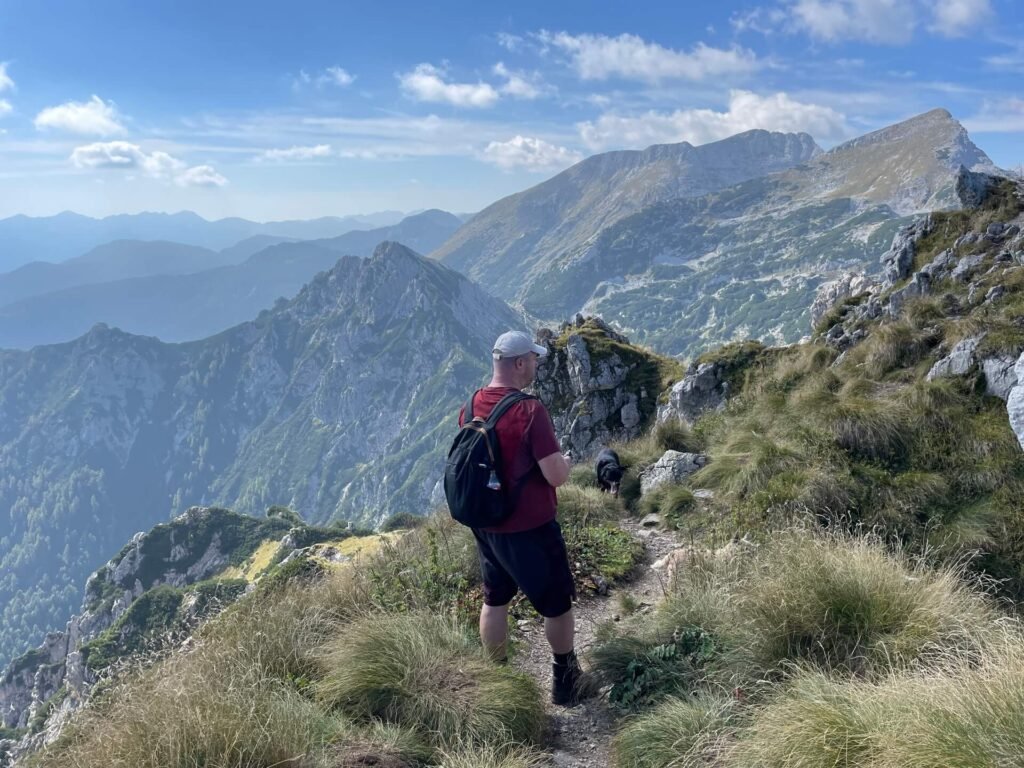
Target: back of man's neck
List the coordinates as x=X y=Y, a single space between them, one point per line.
x=496 y=384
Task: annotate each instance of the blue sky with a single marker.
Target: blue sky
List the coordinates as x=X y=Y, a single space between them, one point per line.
x=302 y=109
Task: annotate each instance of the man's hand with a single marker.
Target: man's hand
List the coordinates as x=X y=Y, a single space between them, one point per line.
x=555 y=469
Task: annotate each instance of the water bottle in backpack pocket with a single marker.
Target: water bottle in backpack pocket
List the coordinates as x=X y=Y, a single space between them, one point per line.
x=471 y=483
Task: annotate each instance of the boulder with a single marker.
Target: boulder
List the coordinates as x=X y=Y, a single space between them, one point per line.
x=672 y=468
x=703 y=389
x=959 y=361
x=966 y=265
x=1015 y=402
x=1000 y=376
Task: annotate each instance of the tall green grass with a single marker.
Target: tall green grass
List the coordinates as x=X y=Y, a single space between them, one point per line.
x=420 y=670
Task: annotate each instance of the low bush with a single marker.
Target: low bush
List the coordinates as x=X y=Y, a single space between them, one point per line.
x=418 y=670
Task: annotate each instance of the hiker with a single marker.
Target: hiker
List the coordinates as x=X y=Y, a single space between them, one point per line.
x=526 y=550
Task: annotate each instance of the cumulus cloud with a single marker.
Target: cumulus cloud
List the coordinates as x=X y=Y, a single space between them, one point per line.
x=124 y=155
x=598 y=57
x=747 y=111
x=517 y=84
x=296 y=153
x=90 y=118
x=529 y=153
x=6 y=83
x=956 y=18
x=200 y=176
x=426 y=83
x=5 y=108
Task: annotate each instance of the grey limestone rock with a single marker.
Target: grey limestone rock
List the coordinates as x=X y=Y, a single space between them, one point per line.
x=1015 y=402
x=972 y=188
x=672 y=467
x=1000 y=376
x=831 y=293
x=959 y=361
x=966 y=265
x=703 y=389
x=919 y=285
x=898 y=260
x=588 y=393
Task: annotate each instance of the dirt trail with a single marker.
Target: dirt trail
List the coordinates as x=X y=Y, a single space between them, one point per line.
x=581 y=736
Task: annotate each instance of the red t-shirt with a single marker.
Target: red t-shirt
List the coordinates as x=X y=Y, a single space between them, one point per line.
x=525 y=436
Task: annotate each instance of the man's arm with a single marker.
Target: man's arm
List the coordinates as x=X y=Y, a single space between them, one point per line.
x=555 y=469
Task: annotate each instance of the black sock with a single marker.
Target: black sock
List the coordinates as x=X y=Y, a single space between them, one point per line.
x=565 y=659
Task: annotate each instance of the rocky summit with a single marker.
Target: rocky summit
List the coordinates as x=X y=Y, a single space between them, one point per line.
x=338 y=403
x=693 y=269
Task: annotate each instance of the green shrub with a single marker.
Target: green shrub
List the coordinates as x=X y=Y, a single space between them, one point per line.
x=418 y=670
x=402 y=520
x=581 y=476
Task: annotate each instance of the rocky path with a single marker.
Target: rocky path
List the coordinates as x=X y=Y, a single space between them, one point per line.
x=581 y=736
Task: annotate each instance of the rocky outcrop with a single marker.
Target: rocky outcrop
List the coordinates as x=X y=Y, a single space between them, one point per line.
x=187 y=550
x=1015 y=402
x=704 y=388
x=960 y=360
x=1000 y=375
x=973 y=187
x=672 y=468
x=831 y=293
x=595 y=385
x=899 y=259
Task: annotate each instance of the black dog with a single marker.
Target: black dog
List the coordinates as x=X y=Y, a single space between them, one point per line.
x=609 y=471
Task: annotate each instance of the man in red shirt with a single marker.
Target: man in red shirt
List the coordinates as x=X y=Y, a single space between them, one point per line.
x=527 y=552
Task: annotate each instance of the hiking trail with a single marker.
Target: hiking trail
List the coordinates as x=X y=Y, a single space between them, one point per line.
x=580 y=736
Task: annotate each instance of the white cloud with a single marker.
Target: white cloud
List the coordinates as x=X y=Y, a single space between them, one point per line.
x=876 y=21
x=200 y=176
x=763 y=20
x=296 y=153
x=517 y=84
x=123 y=155
x=426 y=83
x=91 y=118
x=5 y=108
x=336 y=76
x=956 y=18
x=510 y=42
x=6 y=84
x=746 y=111
x=529 y=153
x=1004 y=116
x=598 y=57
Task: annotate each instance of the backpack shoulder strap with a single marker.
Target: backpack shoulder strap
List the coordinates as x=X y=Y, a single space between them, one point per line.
x=504 y=404
x=467 y=413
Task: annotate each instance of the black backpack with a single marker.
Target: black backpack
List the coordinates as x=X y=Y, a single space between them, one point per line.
x=475 y=497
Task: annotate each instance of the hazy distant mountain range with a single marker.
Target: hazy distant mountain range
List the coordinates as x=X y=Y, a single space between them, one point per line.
x=336 y=403
x=179 y=292
x=24 y=239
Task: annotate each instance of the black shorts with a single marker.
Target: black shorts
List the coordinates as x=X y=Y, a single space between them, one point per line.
x=534 y=561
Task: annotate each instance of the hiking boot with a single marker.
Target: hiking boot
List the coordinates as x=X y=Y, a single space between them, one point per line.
x=566 y=682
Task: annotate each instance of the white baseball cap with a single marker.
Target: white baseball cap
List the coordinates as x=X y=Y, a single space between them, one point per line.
x=514 y=344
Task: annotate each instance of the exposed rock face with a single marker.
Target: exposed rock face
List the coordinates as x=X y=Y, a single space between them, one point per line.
x=1000 y=376
x=972 y=188
x=831 y=293
x=1015 y=402
x=180 y=553
x=897 y=262
x=959 y=362
x=703 y=389
x=591 y=382
x=672 y=468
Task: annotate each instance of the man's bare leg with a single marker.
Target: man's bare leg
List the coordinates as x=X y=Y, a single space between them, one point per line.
x=561 y=632
x=494 y=630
